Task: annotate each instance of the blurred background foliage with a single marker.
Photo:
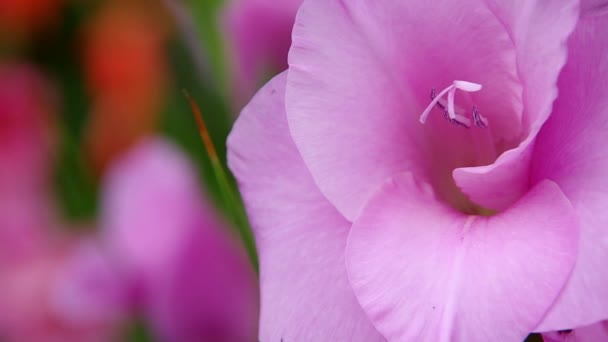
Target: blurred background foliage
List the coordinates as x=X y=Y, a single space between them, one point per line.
x=63 y=50
x=119 y=69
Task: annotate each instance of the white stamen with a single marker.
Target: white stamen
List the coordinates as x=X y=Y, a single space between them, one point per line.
x=451 y=96
x=426 y=112
x=467 y=86
x=451 y=109
x=462 y=120
x=443 y=103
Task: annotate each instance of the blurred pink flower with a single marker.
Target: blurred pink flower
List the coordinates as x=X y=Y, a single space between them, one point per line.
x=369 y=207
x=258 y=33
x=51 y=297
x=195 y=283
x=40 y=286
x=26 y=108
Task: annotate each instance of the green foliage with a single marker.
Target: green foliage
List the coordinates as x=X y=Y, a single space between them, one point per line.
x=59 y=55
x=179 y=124
x=206 y=16
x=137 y=332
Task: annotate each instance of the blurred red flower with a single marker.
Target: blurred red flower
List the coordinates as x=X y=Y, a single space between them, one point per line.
x=20 y=17
x=126 y=70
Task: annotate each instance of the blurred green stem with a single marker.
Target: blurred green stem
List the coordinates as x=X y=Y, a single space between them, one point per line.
x=188 y=33
x=228 y=194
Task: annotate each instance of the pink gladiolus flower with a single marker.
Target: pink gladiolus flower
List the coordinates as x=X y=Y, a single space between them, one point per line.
x=415 y=176
x=193 y=281
x=591 y=333
x=258 y=33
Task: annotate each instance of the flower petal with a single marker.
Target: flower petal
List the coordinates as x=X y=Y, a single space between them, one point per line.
x=300 y=236
x=209 y=293
x=425 y=272
x=353 y=108
x=149 y=203
x=591 y=333
x=541 y=53
x=261 y=51
x=87 y=288
x=195 y=282
x=571 y=150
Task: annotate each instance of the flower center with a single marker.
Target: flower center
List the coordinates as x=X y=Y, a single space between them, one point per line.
x=453 y=113
x=451 y=149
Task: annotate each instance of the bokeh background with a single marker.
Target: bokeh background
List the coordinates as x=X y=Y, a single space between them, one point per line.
x=83 y=84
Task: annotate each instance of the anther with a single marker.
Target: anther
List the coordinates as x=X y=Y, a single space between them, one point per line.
x=440 y=105
x=450 y=111
x=479 y=120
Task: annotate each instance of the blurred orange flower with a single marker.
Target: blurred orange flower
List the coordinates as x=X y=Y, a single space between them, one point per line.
x=127 y=71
